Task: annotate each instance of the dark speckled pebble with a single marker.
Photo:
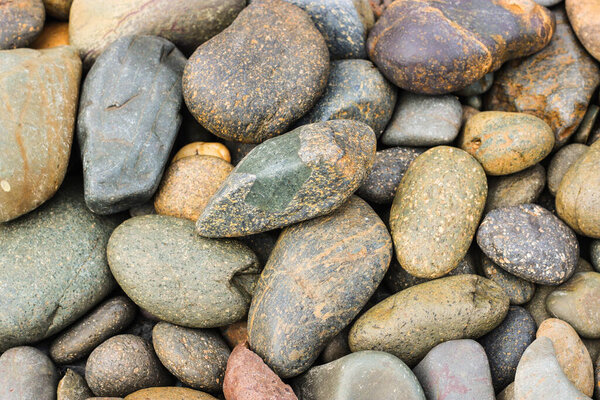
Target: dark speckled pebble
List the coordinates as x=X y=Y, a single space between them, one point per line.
x=519 y=291
x=519 y=188
x=21 y=21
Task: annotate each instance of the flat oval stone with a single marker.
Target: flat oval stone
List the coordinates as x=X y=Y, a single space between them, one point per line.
x=584 y=16
x=505 y=143
x=356 y=90
x=436 y=211
x=438 y=47
x=588 y=123
x=410 y=323
x=108 y=319
x=196 y=357
x=519 y=291
x=73 y=387
x=37 y=116
x=58 y=9
x=456 y=370
x=187 y=280
x=321 y=272
x=577 y=302
x=21 y=21
x=364 y=375
x=514 y=189
x=27 y=373
x=530 y=242
x=302 y=174
x=94 y=25
x=169 y=393
x=126 y=135
x=561 y=162
x=274 y=56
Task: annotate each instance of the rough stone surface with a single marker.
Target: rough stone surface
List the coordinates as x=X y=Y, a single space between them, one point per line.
x=27 y=373
x=169 y=393
x=54 y=34
x=73 y=387
x=21 y=21
x=254 y=79
x=561 y=162
x=58 y=9
x=518 y=290
x=584 y=16
x=519 y=188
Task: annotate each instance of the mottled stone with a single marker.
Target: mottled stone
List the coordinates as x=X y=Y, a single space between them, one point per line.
x=505 y=345
x=530 y=242
x=55 y=34
x=436 y=47
x=537 y=304
x=595 y=254
x=584 y=16
x=58 y=9
x=555 y=84
x=253 y=80
x=108 y=319
x=21 y=21
x=73 y=387
x=422 y=120
x=178 y=276
x=410 y=323
x=203 y=149
x=561 y=162
x=456 y=370
x=518 y=290
x=27 y=373
x=126 y=135
x=518 y=188
x=38 y=101
x=321 y=272
x=478 y=87
x=436 y=211
x=302 y=174
x=169 y=393
x=235 y=333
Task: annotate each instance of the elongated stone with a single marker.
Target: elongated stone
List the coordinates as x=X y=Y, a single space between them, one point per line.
x=21 y=21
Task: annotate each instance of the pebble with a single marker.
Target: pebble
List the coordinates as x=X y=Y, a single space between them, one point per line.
x=321 y=272
x=436 y=211
x=169 y=393
x=422 y=120
x=561 y=162
x=73 y=387
x=519 y=188
x=410 y=323
x=597 y=380
x=54 y=34
x=21 y=21
x=584 y=16
x=530 y=242
x=595 y=254
x=164 y=267
x=537 y=304
x=587 y=125
x=58 y=9
x=27 y=373
x=235 y=333
x=39 y=91
x=456 y=370
x=336 y=348
x=508 y=393
x=518 y=290
x=203 y=149
x=274 y=55
x=478 y=87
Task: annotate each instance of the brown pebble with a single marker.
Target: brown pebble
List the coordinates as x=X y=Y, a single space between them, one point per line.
x=235 y=334
x=203 y=149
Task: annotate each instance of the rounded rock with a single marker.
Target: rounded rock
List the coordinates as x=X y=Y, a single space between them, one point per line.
x=73 y=387
x=595 y=254
x=203 y=149
x=561 y=162
x=584 y=16
x=27 y=373
x=169 y=393
x=518 y=290
x=519 y=188
x=21 y=21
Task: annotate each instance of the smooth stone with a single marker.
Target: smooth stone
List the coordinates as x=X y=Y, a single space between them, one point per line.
x=203 y=149
x=235 y=333
x=386 y=174
x=188 y=184
x=508 y=393
x=456 y=370
x=578 y=303
x=54 y=34
x=422 y=120
x=108 y=319
x=537 y=304
x=321 y=272
x=561 y=162
x=530 y=242
x=355 y=91
x=94 y=25
x=584 y=16
x=21 y=21
x=539 y=375
x=518 y=290
x=169 y=393
x=37 y=118
x=53 y=263
x=126 y=135
x=336 y=348
x=58 y=9
x=478 y=87
x=253 y=80
x=249 y=378
x=595 y=254
x=577 y=200
x=505 y=345
x=27 y=373
x=586 y=127
x=505 y=143
x=364 y=375
x=196 y=357
x=73 y=387
x=571 y=353
x=165 y=268
x=519 y=188
x=547 y=3
x=410 y=323
x=300 y=175
x=562 y=97
x=434 y=47
x=436 y=210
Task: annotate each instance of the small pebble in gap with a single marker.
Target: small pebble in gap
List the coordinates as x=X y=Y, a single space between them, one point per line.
x=203 y=149
x=73 y=387
x=514 y=189
x=519 y=291
x=55 y=34
x=58 y=9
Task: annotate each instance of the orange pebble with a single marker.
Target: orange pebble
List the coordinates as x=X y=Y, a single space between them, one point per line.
x=203 y=149
x=54 y=34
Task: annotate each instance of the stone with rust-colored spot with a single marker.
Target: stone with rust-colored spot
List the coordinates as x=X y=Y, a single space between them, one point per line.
x=519 y=291
x=58 y=9
x=169 y=393
x=584 y=16
x=235 y=333
x=203 y=149
x=55 y=34
x=518 y=188
x=27 y=373
x=561 y=162
x=436 y=211
x=73 y=387
x=21 y=21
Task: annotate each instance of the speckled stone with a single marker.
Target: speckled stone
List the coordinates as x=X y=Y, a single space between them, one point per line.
x=321 y=272
x=356 y=91
x=21 y=21
x=478 y=87
x=518 y=290
x=203 y=149
x=58 y=9
x=577 y=302
x=595 y=254
x=364 y=375
x=196 y=357
x=169 y=393
x=410 y=323
x=53 y=265
x=436 y=211
x=235 y=333
x=561 y=97
x=505 y=345
x=126 y=135
x=530 y=242
x=27 y=373
x=435 y=47
x=537 y=305
x=577 y=200
x=249 y=378
x=38 y=95
x=518 y=188
x=303 y=174
x=388 y=169
x=108 y=319
x=73 y=387
x=561 y=162
x=456 y=370
x=258 y=76
x=54 y=34
x=422 y=120
x=164 y=267
x=584 y=16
